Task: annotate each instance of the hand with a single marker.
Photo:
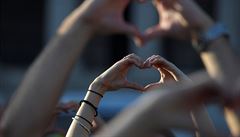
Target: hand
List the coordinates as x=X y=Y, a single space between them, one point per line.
x=178 y=19
x=116 y=76
x=168 y=71
x=104 y=17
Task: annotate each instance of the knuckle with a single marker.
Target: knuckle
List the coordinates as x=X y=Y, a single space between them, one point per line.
x=132 y=55
x=158 y=57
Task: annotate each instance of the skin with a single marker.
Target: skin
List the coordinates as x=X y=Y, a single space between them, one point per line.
x=163 y=109
x=184 y=19
x=115 y=78
x=63 y=51
x=178 y=17
x=168 y=72
x=129 y=122
x=47 y=76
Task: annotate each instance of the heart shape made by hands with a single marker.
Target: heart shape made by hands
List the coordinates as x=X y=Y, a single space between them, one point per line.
x=116 y=76
x=163 y=68
x=146 y=76
x=171 y=23
x=107 y=17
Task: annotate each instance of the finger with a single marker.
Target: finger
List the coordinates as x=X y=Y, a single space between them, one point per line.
x=139 y=40
x=147 y=61
x=134 y=56
x=163 y=67
x=137 y=36
x=159 y=61
x=135 y=62
x=152 y=86
x=156 y=61
x=154 y=58
x=150 y=59
x=153 y=33
x=132 y=31
x=133 y=85
x=133 y=59
x=175 y=72
x=146 y=64
x=163 y=5
x=166 y=75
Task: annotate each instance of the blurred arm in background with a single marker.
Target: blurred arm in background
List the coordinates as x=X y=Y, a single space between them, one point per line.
x=31 y=106
x=184 y=19
x=166 y=108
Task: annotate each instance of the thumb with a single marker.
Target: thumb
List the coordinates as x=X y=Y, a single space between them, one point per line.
x=152 y=86
x=166 y=75
x=134 y=32
x=153 y=33
x=134 y=86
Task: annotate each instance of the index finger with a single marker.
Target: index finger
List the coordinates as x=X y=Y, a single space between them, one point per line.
x=133 y=59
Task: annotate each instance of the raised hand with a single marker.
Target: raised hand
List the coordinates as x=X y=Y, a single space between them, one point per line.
x=178 y=19
x=168 y=71
x=116 y=76
x=103 y=16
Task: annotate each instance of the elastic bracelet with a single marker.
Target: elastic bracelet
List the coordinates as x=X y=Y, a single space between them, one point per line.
x=90 y=104
x=84 y=127
x=96 y=93
x=85 y=120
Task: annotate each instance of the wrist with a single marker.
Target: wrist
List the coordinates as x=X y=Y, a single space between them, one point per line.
x=76 y=23
x=206 y=25
x=97 y=86
x=75 y=28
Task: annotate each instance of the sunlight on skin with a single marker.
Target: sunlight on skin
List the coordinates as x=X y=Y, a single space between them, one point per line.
x=68 y=23
x=212 y=66
x=232 y=120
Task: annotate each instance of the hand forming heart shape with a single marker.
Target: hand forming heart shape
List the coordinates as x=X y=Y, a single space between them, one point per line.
x=116 y=76
x=177 y=18
x=168 y=71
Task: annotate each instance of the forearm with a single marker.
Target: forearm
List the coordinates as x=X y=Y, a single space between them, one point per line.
x=136 y=120
x=155 y=112
x=43 y=84
x=81 y=126
x=180 y=76
x=203 y=121
x=220 y=61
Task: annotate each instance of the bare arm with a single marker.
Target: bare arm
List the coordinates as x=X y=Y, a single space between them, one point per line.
x=43 y=84
x=112 y=79
x=158 y=110
x=184 y=19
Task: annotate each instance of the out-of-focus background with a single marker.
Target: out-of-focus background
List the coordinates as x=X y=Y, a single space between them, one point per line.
x=27 y=26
